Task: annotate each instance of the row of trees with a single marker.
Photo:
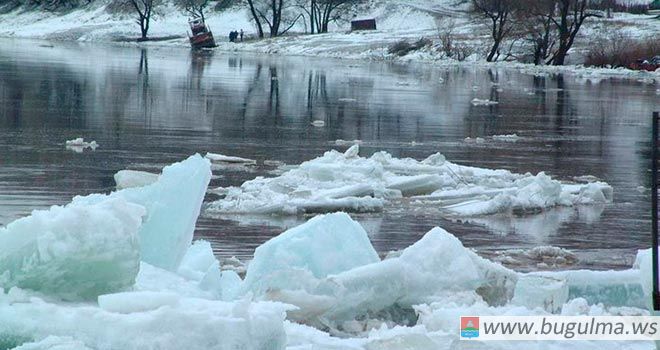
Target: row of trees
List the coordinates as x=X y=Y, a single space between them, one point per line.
x=279 y=16
x=271 y=17
x=549 y=27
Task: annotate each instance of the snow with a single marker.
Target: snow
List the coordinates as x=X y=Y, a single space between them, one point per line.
x=134 y=178
x=348 y=182
x=215 y=157
x=325 y=245
x=173 y=204
x=73 y=252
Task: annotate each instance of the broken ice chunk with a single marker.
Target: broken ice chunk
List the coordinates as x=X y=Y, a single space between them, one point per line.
x=546 y=292
x=73 y=252
x=78 y=145
x=54 y=343
x=130 y=302
x=215 y=157
x=134 y=178
x=326 y=244
x=173 y=204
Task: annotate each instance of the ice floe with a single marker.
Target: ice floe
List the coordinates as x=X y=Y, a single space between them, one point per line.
x=348 y=182
x=480 y=102
x=216 y=157
x=73 y=252
x=507 y=138
x=173 y=204
x=79 y=144
x=134 y=178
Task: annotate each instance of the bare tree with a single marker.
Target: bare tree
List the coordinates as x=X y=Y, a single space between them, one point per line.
x=144 y=9
x=195 y=8
x=324 y=12
x=534 y=19
x=256 y=18
x=499 y=13
x=276 y=14
x=571 y=14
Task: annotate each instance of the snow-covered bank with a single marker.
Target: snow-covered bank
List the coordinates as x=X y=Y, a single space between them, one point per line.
x=397 y=21
x=346 y=181
x=324 y=273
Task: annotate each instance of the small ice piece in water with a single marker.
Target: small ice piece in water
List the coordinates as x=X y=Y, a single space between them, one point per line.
x=318 y=123
x=221 y=158
x=73 y=252
x=507 y=138
x=346 y=100
x=341 y=142
x=134 y=178
x=78 y=145
x=480 y=102
x=545 y=292
x=324 y=245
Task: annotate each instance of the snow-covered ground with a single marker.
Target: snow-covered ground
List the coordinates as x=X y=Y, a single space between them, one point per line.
x=396 y=20
x=70 y=283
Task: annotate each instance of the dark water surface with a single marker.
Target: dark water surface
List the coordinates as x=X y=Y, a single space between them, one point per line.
x=149 y=108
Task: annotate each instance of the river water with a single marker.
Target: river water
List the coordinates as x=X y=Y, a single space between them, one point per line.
x=151 y=107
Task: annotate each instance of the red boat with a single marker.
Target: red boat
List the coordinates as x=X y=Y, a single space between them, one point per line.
x=201 y=35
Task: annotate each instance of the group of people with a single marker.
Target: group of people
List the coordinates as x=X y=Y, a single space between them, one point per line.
x=234 y=35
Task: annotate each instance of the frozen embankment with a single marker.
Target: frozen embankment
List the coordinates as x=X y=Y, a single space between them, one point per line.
x=82 y=276
x=348 y=182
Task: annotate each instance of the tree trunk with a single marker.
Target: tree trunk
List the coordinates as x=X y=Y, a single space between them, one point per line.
x=255 y=16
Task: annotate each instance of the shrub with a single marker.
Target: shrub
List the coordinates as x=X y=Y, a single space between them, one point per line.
x=620 y=51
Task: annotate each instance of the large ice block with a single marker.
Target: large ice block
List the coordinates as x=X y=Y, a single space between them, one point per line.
x=73 y=252
x=173 y=204
x=438 y=263
x=147 y=321
x=324 y=245
x=545 y=292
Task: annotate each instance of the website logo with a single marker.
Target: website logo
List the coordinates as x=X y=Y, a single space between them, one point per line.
x=469 y=327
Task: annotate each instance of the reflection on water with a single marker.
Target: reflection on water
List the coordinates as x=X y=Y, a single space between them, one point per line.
x=150 y=107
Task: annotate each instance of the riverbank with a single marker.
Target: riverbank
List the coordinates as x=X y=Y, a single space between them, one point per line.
x=397 y=21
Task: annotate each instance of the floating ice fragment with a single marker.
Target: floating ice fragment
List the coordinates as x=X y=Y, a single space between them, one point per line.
x=189 y=323
x=346 y=181
x=548 y=293
x=54 y=343
x=173 y=204
x=73 y=252
x=215 y=157
x=134 y=178
x=130 y=302
x=318 y=123
x=78 y=145
x=197 y=260
x=324 y=245
x=479 y=102
x=507 y=138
